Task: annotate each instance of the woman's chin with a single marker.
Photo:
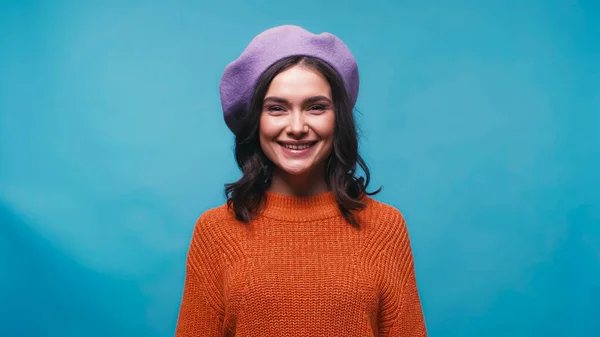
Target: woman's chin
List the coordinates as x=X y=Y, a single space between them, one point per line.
x=300 y=168
x=296 y=171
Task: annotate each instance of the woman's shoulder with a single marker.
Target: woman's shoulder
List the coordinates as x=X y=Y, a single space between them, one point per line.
x=385 y=225
x=379 y=209
x=214 y=221
x=216 y=214
x=213 y=227
x=381 y=216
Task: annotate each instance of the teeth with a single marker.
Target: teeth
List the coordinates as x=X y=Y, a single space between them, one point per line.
x=297 y=147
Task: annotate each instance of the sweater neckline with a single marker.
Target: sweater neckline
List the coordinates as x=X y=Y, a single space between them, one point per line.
x=300 y=209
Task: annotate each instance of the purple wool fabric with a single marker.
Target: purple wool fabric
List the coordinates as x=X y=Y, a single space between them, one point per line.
x=240 y=76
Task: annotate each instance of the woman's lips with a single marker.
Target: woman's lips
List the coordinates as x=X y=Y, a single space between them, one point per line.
x=297 y=150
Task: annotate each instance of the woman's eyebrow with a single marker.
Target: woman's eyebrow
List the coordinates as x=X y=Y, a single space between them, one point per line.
x=276 y=100
x=315 y=99
x=309 y=100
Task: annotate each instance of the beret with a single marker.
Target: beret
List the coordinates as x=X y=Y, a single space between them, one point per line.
x=241 y=75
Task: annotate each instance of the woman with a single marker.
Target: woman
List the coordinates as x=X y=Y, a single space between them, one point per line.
x=300 y=248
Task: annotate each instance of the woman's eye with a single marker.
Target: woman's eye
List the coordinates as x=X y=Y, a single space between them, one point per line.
x=318 y=107
x=275 y=108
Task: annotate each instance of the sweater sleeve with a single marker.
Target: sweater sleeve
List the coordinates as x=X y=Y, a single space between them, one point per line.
x=202 y=310
x=400 y=309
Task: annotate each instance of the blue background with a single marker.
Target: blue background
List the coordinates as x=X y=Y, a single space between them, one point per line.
x=480 y=118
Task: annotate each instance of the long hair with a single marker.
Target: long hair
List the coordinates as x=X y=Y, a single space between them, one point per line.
x=246 y=196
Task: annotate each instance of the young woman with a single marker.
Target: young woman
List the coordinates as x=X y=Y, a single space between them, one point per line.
x=300 y=248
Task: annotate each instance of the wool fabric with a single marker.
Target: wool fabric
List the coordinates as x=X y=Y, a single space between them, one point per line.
x=299 y=269
x=241 y=75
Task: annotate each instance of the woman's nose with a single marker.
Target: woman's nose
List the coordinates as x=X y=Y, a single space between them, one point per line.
x=297 y=125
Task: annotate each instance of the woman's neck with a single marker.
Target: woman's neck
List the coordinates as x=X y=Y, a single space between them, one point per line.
x=304 y=185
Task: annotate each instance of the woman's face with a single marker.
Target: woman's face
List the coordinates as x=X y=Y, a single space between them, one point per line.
x=297 y=120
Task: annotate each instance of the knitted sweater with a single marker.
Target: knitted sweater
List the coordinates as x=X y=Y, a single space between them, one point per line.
x=299 y=269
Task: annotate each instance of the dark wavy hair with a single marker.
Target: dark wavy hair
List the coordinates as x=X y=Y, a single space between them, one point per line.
x=246 y=196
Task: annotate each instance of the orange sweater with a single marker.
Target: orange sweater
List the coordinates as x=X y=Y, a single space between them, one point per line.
x=300 y=270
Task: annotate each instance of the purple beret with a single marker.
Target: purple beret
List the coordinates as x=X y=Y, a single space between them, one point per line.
x=270 y=46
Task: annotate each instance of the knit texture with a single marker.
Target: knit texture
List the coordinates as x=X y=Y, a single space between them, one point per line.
x=300 y=269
